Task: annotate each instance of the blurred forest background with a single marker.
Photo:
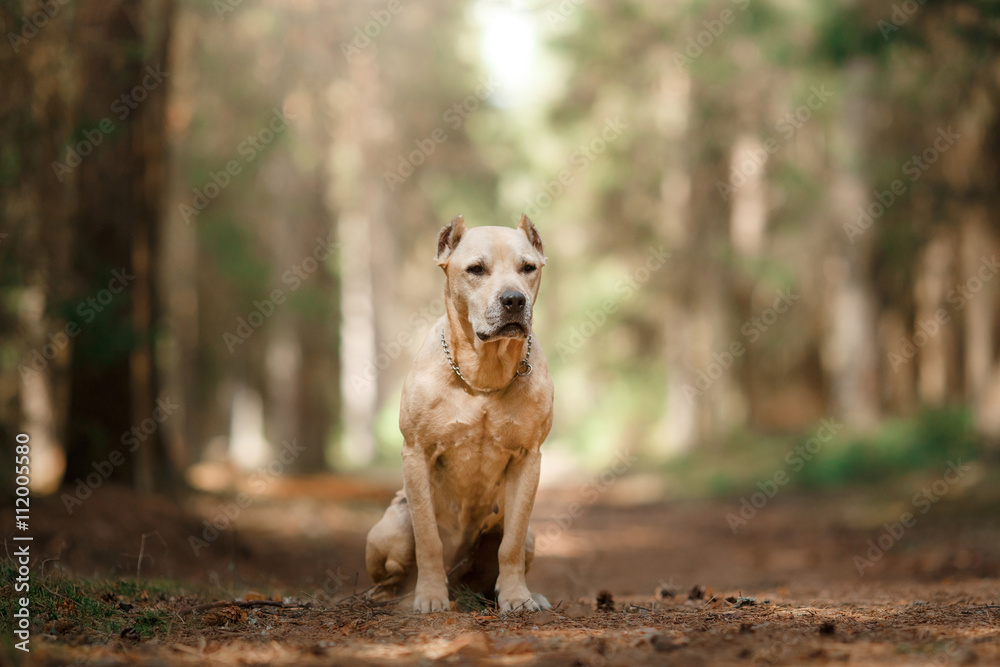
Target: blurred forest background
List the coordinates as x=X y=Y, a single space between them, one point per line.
x=217 y=224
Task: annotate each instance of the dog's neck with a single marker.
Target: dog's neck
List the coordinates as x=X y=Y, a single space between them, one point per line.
x=489 y=365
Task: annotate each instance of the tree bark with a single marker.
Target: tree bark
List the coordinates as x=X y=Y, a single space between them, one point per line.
x=113 y=380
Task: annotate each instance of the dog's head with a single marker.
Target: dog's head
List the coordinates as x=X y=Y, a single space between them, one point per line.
x=493 y=275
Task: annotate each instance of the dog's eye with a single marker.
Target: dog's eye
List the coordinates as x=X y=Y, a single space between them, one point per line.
x=475 y=269
x=528 y=268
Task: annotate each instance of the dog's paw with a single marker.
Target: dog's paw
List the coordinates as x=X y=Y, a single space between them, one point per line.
x=541 y=601
x=430 y=599
x=520 y=600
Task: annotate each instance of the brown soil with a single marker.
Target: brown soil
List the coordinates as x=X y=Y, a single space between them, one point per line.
x=672 y=582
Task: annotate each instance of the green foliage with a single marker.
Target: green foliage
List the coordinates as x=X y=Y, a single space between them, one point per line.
x=10 y=165
x=845 y=35
x=109 y=336
x=926 y=442
x=235 y=257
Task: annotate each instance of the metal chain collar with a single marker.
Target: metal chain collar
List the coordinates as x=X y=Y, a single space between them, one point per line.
x=517 y=373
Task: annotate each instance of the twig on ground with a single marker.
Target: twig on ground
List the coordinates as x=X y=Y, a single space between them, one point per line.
x=355 y=595
x=41 y=568
x=142 y=553
x=56 y=594
x=237 y=603
x=363 y=597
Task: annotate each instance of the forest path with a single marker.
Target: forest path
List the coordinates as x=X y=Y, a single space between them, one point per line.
x=676 y=584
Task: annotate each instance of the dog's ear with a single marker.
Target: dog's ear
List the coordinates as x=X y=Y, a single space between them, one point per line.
x=534 y=238
x=448 y=239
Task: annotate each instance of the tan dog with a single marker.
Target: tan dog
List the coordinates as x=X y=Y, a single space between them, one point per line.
x=476 y=406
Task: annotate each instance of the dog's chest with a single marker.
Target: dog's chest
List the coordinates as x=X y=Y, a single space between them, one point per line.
x=473 y=449
x=479 y=439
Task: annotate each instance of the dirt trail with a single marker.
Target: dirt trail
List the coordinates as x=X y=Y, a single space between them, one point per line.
x=676 y=584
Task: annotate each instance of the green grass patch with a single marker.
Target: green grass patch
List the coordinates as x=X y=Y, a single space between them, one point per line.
x=99 y=609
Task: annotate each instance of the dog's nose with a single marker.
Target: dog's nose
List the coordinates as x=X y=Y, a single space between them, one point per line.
x=512 y=301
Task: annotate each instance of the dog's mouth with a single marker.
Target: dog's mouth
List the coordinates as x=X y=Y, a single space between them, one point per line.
x=509 y=330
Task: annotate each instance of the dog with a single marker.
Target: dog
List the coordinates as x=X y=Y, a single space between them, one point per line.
x=475 y=409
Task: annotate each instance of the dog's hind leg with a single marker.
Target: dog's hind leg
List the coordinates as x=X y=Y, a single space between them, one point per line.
x=477 y=568
x=482 y=567
x=390 y=550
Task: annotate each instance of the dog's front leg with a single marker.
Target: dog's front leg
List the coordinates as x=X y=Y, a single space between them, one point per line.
x=431 y=593
x=519 y=498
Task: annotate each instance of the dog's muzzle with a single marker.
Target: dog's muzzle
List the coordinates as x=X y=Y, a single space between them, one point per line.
x=512 y=316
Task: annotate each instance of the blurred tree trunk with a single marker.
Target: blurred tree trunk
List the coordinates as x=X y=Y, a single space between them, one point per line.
x=283 y=353
x=179 y=279
x=674 y=224
x=849 y=355
x=712 y=325
x=318 y=405
x=983 y=246
x=358 y=192
x=937 y=359
x=980 y=321
x=35 y=242
x=298 y=355
x=114 y=389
